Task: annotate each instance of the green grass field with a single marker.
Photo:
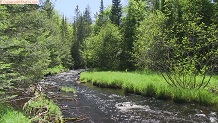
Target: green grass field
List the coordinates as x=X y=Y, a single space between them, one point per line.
x=152 y=85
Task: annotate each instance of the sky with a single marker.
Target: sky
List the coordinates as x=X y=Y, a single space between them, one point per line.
x=67 y=7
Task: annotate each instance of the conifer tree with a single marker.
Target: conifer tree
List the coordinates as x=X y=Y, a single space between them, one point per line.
x=136 y=13
x=116 y=12
x=82 y=29
x=101 y=17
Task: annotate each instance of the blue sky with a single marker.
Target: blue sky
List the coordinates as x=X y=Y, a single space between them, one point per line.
x=67 y=7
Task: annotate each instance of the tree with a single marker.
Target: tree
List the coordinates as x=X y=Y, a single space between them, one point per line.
x=82 y=29
x=5 y=65
x=76 y=41
x=31 y=43
x=116 y=12
x=100 y=18
x=87 y=21
x=24 y=49
x=136 y=13
x=66 y=38
x=48 y=7
x=102 y=50
x=101 y=11
x=149 y=51
x=186 y=43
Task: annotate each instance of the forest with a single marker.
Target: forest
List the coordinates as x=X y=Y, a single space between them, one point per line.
x=177 y=38
x=170 y=36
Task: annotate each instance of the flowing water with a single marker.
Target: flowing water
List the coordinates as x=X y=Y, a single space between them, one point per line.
x=102 y=105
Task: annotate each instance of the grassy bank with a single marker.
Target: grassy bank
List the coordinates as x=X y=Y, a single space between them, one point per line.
x=38 y=109
x=151 y=85
x=9 y=115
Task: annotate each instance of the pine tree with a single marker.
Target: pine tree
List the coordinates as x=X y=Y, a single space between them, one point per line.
x=116 y=12
x=136 y=13
x=87 y=21
x=48 y=7
x=101 y=17
x=162 y=3
x=82 y=29
x=76 y=41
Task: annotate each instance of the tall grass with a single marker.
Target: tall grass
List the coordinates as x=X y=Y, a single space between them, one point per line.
x=152 y=85
x=9 y=115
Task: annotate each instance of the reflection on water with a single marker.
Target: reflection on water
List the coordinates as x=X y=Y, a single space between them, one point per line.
x=103 y=105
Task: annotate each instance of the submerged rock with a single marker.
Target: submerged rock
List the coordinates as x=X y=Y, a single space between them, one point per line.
x=126 y=106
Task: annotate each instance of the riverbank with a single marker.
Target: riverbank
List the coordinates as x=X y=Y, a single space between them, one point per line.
x=37 y=102
x=93 y=104
x=10 y=115
x=30 y=105
x=151 y=85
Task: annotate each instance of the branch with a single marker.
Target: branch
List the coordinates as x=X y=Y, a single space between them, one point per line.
x=166 y=79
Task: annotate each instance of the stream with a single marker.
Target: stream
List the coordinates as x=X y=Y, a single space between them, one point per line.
x=102 y=105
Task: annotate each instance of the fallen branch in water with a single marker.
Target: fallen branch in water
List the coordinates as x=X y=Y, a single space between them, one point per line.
x=82 y=119
x=70 y=119
x=75 y=119
x=80 y=107
x=17 y=99
x=71 y=99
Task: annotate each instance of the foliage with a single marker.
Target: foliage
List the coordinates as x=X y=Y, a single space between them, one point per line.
x=150 y=36
x=56 y=69
x=82 y=29
x=101 y=19
x=135 y=14
x=185 y=40
x=66 y=38
x=32 y=43
x=102 y=50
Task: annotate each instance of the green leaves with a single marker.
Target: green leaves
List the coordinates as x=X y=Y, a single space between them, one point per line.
x=179 y=42
x=101 y=50
x=148 y=49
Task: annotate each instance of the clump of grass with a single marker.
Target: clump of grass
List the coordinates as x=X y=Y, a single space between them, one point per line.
x=151 y=84
x=42 y=109
x=9 y=115
x=164 y=93
x=54 y=70
x=68 y=89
